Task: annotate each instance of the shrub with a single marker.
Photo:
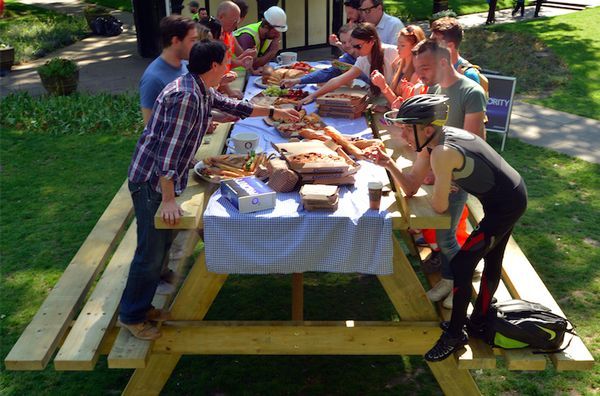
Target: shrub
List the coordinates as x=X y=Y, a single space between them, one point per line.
x=57 y=67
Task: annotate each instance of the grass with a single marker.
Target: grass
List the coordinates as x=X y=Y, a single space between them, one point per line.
x=416 y=10
x=56 y=181
x=122 y=5
x=34 y=31
x=575 y=39
x=554 y=59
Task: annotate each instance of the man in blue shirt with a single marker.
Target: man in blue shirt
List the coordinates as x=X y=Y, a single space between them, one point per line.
x=178 y=35
x=324 y=75
x=159 y=172
x=387 y=26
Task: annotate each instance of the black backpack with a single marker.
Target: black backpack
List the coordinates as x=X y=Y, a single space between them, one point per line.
x=107 y=26
x=522 y=324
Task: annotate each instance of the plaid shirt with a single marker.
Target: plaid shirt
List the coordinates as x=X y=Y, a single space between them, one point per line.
x=180 y=117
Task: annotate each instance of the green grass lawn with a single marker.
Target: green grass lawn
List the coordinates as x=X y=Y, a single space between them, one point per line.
x=63 y=159
x=34 y=31
x=554 y=59
x=575 y=38
x=122 y=5
x=413 y=10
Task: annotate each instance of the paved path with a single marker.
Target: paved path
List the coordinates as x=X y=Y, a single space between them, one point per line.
x=112 y=64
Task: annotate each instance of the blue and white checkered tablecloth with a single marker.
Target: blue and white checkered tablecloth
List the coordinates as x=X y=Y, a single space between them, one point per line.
x=269 y=135
x=288 y=239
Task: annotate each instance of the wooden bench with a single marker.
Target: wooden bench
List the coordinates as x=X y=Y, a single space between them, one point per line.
x=519 y=280
x=93 y=332
x=91 y=328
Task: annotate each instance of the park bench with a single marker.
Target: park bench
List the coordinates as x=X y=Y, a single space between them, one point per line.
x=82 y=327
x=519 y=281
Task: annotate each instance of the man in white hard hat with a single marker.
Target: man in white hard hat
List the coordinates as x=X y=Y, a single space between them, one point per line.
x=264 y=35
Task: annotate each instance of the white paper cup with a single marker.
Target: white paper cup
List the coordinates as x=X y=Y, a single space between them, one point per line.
x=375 y=190
x=244 y=142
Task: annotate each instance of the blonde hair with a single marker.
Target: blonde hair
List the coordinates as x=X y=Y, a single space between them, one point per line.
x=414 y=34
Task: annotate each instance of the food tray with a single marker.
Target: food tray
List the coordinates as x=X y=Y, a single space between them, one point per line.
x=231 y=162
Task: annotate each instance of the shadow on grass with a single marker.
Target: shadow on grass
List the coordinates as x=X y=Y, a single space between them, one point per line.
x=561 y=214
x=576 y=45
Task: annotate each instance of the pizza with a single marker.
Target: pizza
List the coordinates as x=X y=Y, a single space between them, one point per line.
x=341 y=96
x=309 y=158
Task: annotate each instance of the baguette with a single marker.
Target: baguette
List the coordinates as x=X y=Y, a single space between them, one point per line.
x=346 y=145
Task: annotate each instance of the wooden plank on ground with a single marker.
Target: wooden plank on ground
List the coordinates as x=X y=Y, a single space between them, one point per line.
x=192 y=199
x=516 y=359
x=297 y=338
x=80 y=351
x=194 y=299
x=130 y=352
x=452 y=380
x=405 y=290
x=476 y=354
x=524 y=283
x=41 y=337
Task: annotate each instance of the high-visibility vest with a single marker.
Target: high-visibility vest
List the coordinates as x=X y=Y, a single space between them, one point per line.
x=252 y=30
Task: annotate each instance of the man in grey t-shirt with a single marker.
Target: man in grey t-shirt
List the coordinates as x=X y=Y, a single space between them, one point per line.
x=467 y=103
x=467 y=98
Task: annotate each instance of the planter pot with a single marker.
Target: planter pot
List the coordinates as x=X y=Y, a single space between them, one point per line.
x=7 y=59
x=61 y=85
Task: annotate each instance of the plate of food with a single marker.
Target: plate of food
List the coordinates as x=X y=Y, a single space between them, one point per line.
x=292 y=129
x=230 y=166
x=275 y=96
x=259 y=83
x=274 y=75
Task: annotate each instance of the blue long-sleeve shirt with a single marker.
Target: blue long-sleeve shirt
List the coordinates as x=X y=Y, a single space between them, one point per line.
x=324 y=75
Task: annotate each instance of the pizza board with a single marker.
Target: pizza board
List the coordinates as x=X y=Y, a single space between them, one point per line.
x=316 y=147
x=344 y=96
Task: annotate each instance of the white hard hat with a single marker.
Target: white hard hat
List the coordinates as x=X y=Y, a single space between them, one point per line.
x=276 y=18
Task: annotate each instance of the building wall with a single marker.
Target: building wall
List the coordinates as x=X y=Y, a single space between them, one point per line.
x=296 y=18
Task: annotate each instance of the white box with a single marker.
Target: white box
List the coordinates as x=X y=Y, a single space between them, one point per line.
x=248 y=194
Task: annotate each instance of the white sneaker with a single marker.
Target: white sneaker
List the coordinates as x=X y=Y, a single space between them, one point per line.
x=165 y=288
x=440 y=290
x=447 y=303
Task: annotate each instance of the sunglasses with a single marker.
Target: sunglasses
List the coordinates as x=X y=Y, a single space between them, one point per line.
x=368 y=9
x=359 y=46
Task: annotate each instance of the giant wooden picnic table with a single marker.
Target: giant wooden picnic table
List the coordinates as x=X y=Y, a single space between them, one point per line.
x=83 y=334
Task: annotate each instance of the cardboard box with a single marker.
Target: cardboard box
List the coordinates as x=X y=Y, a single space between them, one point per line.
x=248 y=194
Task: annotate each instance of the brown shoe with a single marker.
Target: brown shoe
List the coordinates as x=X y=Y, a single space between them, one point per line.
x=143 y=331
x=158 y=315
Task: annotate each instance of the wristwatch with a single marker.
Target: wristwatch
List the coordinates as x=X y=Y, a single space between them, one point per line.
x=271 y=112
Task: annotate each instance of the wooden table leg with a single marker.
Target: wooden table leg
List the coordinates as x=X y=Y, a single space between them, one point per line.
x=408 y=296
x=192 y=303
x=297 y=296
x=409 y=240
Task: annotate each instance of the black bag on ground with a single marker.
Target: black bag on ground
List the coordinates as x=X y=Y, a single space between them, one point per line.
x=522 y=324
x=107 y=26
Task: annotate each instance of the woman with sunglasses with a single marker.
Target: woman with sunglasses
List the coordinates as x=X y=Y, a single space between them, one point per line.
x=405 y=82
x=372 y=55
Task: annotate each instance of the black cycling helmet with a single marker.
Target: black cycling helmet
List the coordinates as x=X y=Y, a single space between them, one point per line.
x=421 y=109
x=426 y=109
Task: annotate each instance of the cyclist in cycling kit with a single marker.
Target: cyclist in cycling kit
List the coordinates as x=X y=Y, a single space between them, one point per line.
x=459 y=157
